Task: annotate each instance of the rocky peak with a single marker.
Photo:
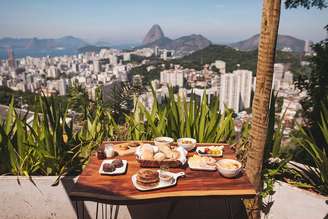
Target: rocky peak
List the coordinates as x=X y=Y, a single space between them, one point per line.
x=155 y=33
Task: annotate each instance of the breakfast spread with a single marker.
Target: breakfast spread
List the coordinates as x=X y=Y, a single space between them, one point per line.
x=163 y=153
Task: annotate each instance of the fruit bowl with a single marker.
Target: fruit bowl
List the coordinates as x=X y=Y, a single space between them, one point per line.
x=187 y=143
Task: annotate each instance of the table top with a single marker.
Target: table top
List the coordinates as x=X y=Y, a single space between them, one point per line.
x=91 y=186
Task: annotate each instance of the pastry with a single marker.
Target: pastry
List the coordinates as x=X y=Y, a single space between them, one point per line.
x=124 y=146
x=147 y=178
x=133 y=144
x=108 y=167
x=159 y=156
x=117 y=163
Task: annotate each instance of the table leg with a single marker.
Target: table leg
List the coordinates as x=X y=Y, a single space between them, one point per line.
x=97 y=210
x=116 y=211
x=228 y=208
x=106 y=211
x=77 y=209
x=171 y=209
x=102 y=211
x=111 y=211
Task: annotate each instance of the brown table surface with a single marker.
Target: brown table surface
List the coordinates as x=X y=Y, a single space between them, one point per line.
x=91 y=186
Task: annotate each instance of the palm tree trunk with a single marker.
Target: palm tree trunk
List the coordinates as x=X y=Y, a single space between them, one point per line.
x=264 y=76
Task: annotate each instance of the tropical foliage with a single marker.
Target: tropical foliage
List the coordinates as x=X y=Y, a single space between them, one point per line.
x=179 y=118
x=49 y=143
x=316 y=175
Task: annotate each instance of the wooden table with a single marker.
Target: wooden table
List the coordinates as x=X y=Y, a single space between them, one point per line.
x=119 y=190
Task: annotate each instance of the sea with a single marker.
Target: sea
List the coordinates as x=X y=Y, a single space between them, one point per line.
x=21 y=52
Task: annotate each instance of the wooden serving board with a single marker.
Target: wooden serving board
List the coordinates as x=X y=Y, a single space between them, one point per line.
x=123 y=152
x=155 y=163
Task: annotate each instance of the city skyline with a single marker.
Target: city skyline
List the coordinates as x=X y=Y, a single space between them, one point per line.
x=126 y=22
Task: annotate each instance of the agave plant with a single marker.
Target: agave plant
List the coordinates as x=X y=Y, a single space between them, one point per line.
x=178 y=118
x=17 y=150
x=316 y=176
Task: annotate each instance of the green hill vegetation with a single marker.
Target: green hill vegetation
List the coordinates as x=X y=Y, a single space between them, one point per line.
x=232 y=57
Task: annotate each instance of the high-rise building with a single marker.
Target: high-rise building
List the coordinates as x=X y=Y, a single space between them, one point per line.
x=308 y=47
x=61 y=87
x=236 y=90
x=229 y=92
x=246 y=79
x=126 y=57
x=96 y=66
x=278 y=72
x=11 y=58
x=288 y=77
x=156 y=51
x=172 y=77
x=113 y=60
x=221 y=65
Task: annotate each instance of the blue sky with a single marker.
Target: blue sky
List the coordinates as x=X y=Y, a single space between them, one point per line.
x=127 y=21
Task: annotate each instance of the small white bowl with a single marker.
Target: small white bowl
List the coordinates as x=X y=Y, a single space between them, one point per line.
x=224 y=170
x=187 y=146
x=163 y=141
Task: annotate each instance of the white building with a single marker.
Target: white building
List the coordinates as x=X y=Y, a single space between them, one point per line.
x=126 y=57
x=52 y=72
x=308 y=47
x=96 y=66
x=278 y=72
x=172 y=77
x=288 y=77
x=246 y=79
x=236 y=90
x=221 y=65
x=229 y=92
x=61 y=86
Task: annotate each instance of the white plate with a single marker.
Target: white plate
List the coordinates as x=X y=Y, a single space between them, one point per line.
x=117 y=171
x=208 y=168
x=209 y=155
x=161 y=184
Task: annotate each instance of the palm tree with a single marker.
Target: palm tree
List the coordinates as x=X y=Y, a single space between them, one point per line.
x=264 y=75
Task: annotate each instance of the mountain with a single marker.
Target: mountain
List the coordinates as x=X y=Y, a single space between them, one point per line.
x=67 y=42
x=182 y=46
x=155 y=33
x=189 y=44
x=232 y=57
x=295 y=44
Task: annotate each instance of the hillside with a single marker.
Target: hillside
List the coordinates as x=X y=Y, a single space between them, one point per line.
x=232 y=57
x=251 y=43
x=67 y=42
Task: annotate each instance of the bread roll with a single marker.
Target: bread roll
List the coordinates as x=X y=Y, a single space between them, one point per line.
x=159 y=156
x=147 y=152
x=176 y=155
x=166 y=151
